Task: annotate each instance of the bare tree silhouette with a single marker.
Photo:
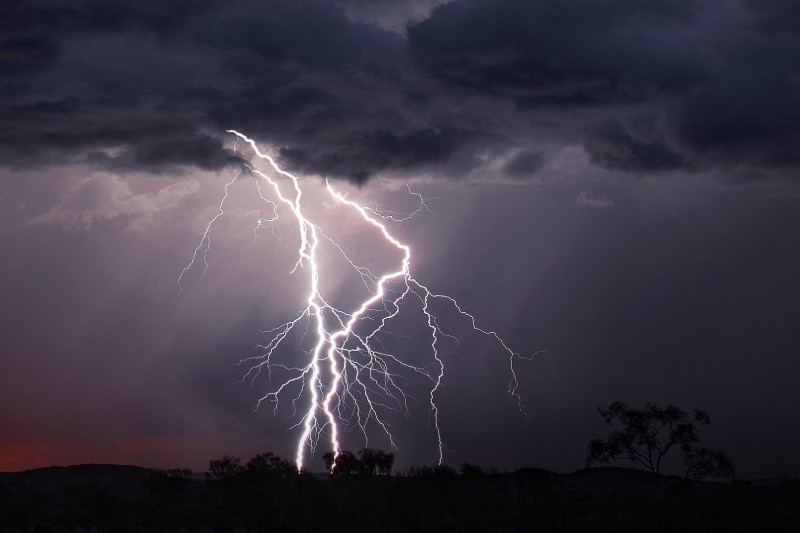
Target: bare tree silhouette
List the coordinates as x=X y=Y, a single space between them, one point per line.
x=645 y=436
x=369 y=461
x=223 y=468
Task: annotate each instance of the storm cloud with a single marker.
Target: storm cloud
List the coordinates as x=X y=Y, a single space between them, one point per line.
x=642 y=86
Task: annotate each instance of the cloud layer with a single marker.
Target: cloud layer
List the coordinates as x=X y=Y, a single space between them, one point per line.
x=654 y=86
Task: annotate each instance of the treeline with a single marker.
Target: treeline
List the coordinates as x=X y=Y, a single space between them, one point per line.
x=360 y=492
x=266 y=493
x=368 y=462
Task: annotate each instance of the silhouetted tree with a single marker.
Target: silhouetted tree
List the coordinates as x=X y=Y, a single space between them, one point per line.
x=345 y=464
x=269 y=464
x=258 y=494
x=385 y=462
x=369 y=462
x=701 y=462
x=646 y=435
x=468 y=469
x=223 y=468
x=376 y=462
x=436 y=471
x=173 y=477
x=169 y=500
x=328 y=458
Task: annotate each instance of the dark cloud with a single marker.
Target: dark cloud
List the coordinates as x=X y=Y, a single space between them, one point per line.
x=728 y=97
x=199 y=150
x=26 y=54
x=524 y=164
x=750 y=110
x=612 y=146
x=374 y=151
x=347 y=98
x=782 y=16
x=319 y=37
x=559 y=53
x=96 y=17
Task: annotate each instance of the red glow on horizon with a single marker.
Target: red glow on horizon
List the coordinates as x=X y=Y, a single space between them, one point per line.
x=160 y=452
x=16 y=457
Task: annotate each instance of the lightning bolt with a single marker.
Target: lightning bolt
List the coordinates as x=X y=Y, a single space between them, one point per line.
x=348 y=374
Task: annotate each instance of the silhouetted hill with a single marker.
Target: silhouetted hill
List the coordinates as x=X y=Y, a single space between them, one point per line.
x=601 y=476
x=126 y=498
x=116 y=475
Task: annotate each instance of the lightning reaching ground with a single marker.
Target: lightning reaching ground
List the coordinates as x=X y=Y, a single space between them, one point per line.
x=348 y=376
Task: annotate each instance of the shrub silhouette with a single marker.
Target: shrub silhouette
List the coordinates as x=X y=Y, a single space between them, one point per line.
x=269 y=464
x=701 y=462
x=646 y=435
x=225 y=467
x=368 y=462
x=376 y=462
x=442 y=471
x=619 y=500
x=469 y=469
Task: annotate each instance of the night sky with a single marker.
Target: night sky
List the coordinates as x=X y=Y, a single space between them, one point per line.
x=613 y=185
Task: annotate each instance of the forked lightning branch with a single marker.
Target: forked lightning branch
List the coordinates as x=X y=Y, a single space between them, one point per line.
x=348 y=375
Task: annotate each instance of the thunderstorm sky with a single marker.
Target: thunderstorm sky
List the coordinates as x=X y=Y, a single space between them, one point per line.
x=615 y=183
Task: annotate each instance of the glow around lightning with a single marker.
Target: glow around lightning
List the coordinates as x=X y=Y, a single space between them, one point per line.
x=348 y=376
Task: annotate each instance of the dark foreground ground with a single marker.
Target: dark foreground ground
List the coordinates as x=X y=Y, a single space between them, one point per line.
x=122 y=498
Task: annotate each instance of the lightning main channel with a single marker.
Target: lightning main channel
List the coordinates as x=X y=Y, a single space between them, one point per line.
x=348 y=375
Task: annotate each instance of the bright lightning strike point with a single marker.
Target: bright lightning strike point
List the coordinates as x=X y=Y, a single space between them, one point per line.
x=348 y=374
